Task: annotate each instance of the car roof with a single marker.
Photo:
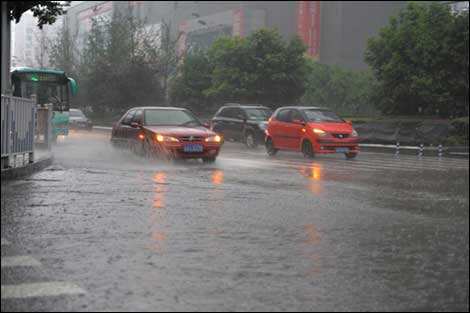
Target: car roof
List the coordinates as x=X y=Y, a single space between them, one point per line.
x=157 y=108
x=304 y=107
x=244 y=106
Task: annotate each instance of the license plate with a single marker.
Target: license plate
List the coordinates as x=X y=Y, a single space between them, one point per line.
x=193 y=148
x=342 y=150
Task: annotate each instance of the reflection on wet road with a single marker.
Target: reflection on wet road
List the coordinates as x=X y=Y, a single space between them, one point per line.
x=248 y=232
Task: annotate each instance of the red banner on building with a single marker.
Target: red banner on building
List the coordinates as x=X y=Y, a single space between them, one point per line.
x=238 y=23
x=308 y=26
x=183 y=33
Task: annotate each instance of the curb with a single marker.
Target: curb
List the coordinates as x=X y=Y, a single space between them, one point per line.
x=19 y=172
x=412 y=150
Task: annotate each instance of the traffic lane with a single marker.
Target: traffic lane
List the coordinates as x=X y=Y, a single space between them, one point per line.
x=241 y=235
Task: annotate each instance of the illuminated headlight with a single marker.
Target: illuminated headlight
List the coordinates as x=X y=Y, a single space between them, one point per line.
x=162 y=138
x=319 y=132
x=354 y=133
x=215 y=138
x=263 y=126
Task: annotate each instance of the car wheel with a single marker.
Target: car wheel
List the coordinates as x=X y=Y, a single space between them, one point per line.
x=307 y=149
x=350 y=155
x=250 y=140
x=270 y=149
x=208 y=160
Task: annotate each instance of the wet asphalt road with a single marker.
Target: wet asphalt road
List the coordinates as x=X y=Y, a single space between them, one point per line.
x=105 y=230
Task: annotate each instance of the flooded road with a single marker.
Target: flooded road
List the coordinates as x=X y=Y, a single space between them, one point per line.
x=108 y=230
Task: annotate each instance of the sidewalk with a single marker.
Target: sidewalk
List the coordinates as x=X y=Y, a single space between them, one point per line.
x=42 y=159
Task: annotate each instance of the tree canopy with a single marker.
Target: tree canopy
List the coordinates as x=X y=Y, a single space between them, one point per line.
x=421 y=61
x=261 y=68
x=45 y=11
x=345 y=91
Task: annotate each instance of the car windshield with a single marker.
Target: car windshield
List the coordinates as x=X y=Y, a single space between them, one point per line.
x=321 y=116
x=170 y=118
x=76 y=113
x=258 y=114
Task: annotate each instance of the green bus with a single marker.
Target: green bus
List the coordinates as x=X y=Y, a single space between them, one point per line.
x=50 y=87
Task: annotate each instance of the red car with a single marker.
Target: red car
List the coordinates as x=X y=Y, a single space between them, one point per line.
x=166 y=131
x=310 y=130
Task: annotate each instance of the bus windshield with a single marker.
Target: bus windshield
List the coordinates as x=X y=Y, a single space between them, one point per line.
x=50 y=87
x=45 y=92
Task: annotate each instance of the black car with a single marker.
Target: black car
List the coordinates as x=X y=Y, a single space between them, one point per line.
x=244 y=123
x=78 y=120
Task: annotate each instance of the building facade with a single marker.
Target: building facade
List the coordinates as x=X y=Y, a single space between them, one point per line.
x=31 y=45
x=335 y=32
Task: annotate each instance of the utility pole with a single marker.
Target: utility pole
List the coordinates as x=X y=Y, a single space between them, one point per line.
x=5 y=59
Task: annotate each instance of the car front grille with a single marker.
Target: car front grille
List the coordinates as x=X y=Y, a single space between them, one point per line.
x=341 y=136
x=191 y=138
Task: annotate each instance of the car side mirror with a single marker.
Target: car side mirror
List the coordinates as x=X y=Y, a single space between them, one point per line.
x=206 y=125
x=349 y=122
x=298 y=122
x=135 y=125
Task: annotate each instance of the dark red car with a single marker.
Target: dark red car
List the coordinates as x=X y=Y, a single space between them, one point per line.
x=166 y=131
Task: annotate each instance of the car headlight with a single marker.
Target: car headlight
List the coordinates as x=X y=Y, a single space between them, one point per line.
x=354 y=133
x=263 y=126
x=319 y=132
x=215 y=138
x=162 y=138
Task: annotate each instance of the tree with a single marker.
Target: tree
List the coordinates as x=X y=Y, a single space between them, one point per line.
x=119 y=66
x=45 y=11
x=345 y=91
x=421 y=61
x=42 y=51
x=187 y=88
x=168 y=56
x=62 y=53
x=261 y=68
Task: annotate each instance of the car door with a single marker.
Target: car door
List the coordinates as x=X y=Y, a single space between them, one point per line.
x=133 y=132
x=117 y=133
x=124 y=127
x=279 y=127
x=237 y=125
x=219 y=122
x=294 y=133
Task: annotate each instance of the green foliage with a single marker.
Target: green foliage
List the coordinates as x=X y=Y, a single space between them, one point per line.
x=45 y=11
x=344 y=91
x=421 y=62
x=261 y=68
x=187 y=89
x=62 y=52
x=119 y=66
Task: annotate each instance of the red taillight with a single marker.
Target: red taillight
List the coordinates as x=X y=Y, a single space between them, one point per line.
x=141 y=136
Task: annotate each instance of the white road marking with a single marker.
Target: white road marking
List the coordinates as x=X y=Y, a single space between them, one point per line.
x=12 y=261
x=5 y=242
x=49 y=289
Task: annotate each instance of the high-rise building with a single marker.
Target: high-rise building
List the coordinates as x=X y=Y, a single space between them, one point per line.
x=31 y=45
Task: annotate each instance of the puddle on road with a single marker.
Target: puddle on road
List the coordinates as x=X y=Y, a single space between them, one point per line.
x=158 y=214
x=217 y=177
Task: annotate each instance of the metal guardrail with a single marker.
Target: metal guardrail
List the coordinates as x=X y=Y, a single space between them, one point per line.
x=18 y=120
